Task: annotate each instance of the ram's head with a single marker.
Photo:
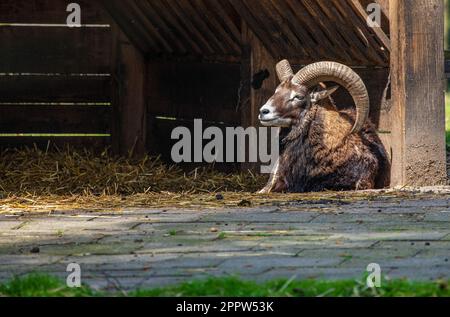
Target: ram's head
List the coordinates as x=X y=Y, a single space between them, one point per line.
x=297 y=92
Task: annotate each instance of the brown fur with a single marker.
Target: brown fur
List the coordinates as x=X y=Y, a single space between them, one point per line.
x=319 y=153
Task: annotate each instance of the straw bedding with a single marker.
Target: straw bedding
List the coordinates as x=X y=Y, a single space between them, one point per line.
x=64 y=180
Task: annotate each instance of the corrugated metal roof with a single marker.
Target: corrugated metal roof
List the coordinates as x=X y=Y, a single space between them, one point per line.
x=304 y=29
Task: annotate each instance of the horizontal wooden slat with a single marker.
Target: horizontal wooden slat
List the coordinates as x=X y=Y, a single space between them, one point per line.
x=186 y=111
x=54 y=119
x=55 y=89
x=61 y=142
x=49 y=11
x=54 y=50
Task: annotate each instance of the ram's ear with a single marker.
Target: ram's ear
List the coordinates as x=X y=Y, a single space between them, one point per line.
x=322 y=94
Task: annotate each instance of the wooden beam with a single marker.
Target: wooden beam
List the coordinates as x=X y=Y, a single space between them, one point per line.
x=220 y=8
x=256 y=60
x=145 y=26
x=271 y=43
x=319 y=18
x=128 y=98
x=122 y=18
x=380 y=56
x=417 y=73
x=175 y=8
x=164 y=30
x=304 y=16
x=291 y=24
x=384 y=4
x=378 y=31
x=216 y=28
x=173 y=25
x=270 y=23
x=345 y=31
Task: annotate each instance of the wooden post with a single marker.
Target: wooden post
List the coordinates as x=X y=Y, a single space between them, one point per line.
x=256 y=88
x=128 y=99
x=417 y=73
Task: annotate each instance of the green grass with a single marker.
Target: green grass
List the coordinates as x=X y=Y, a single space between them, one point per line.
x=221 y=236
x=43 y=285
x=35 y=285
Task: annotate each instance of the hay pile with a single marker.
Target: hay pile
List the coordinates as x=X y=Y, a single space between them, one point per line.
x=32 y=180
x=70 y=172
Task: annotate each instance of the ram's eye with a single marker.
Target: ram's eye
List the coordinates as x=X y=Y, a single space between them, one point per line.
x=298 y=97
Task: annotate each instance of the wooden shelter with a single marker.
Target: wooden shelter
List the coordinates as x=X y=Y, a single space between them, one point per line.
x=138 y=68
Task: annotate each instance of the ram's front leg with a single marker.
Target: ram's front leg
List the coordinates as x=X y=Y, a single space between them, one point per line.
x=273 y=180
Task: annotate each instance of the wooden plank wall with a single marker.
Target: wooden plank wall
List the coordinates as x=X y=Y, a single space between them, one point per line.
x=259 y=75
x=54 y=80
x=128 y=125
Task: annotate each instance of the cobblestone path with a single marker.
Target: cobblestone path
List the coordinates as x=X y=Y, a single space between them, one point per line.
x=308 y=239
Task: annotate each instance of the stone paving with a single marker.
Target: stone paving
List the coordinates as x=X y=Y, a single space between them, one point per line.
x=309 y=239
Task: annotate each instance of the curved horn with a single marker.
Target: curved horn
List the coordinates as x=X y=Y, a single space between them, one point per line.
x=313 y=74
x=284 y=70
